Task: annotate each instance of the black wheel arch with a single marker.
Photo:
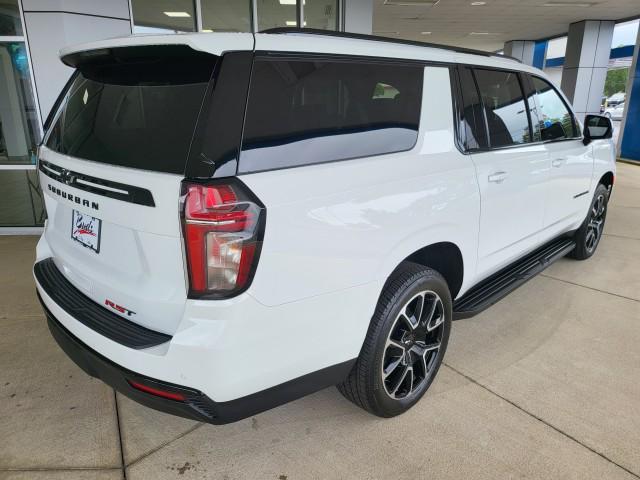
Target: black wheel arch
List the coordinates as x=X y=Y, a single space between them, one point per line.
x=446 y=259
x=607 y=180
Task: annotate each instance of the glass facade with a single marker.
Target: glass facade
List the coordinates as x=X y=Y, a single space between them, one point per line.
x=163 y=16
x=226 y=15
x=25 y=207
x=10 y=24
x=19 y=126
x=176 y=16
x=18 y=119
x=276 y=13
x=321 y=14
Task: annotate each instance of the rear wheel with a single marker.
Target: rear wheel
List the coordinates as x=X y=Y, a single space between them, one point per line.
x=590 y=232
x=405 y=343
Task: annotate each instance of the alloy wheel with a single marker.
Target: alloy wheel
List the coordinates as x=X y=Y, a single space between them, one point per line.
x=413 y=344
x=595 y=223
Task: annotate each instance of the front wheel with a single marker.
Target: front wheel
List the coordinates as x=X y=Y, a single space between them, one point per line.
x=588 y=236
x=405 y=344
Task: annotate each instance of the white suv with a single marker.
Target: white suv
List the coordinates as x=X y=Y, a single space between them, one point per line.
x=238 y=220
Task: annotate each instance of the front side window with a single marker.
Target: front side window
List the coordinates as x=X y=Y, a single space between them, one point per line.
x=505 y=108
x=302 y=112
x=556 y=120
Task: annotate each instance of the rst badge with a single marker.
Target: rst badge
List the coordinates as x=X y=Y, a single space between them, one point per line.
x=85 y=230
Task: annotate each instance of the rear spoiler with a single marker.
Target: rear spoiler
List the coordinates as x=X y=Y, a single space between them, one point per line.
x=214 y=44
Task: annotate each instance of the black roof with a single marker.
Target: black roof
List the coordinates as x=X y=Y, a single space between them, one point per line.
x=360 y=36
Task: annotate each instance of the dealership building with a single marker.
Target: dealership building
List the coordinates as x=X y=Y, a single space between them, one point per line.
x=576 y=42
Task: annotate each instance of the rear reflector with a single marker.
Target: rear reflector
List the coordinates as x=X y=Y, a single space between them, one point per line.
x=178 y=397
x=223 y=225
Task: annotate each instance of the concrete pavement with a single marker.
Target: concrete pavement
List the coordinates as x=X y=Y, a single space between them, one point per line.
x=542 y=385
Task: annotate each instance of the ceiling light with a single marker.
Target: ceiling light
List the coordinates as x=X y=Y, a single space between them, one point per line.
x=386 y=32
x=290 y=2
x=293 y=23
x=425 y=33
x=478 y=4
x=568 y=4
x=176 y=14
x=207 y=30
x=484 y=33
x=412 y=3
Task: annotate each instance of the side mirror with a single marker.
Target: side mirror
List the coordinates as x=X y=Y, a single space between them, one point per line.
x=597 y=127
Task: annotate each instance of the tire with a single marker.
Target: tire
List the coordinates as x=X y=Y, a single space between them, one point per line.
x=402 y=337
x=588 y=236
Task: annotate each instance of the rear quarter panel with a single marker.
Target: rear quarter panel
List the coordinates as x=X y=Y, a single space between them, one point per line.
x=339 y=225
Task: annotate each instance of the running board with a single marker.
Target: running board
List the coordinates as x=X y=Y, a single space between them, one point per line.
x=499 y=285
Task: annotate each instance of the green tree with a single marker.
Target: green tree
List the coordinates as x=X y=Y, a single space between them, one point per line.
x=616 y=81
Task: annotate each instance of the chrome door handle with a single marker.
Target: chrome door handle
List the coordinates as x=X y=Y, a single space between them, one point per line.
x=558 y=162
x=498 y=177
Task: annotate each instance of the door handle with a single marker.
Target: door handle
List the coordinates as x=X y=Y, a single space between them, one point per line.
x=498 y=177
x=558 y=162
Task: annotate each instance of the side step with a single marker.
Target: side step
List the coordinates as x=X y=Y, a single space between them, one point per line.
x=500 y=284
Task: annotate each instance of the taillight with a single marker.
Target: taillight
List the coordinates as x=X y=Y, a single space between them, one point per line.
x=176 y=396
x=223 y=227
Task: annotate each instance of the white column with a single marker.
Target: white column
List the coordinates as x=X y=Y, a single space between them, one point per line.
x=52 y=25
x=586 y=63
x=521 y=49
x=358 y=16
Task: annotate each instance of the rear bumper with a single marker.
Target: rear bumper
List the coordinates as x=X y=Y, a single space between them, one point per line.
x=196 y=406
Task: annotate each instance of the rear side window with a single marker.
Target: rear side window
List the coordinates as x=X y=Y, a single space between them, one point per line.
x=556 y=120
x=134 y=108
x=302 y=112
x=505 y=108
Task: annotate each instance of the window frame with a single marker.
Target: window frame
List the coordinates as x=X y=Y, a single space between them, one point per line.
x=526 y=82
x=577 y=131
x=337 y=58
x=484 y=106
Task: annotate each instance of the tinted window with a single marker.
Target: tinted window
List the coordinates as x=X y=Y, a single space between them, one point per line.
x=474 y=128
x=139 y=115
x=556 y=121
x=531 y=95
x=302 y=112
x=505 y=108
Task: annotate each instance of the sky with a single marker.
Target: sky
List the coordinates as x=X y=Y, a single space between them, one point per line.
x=625 y=34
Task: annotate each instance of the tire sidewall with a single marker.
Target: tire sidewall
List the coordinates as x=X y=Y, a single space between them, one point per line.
x=430 y=280
x=582 y=233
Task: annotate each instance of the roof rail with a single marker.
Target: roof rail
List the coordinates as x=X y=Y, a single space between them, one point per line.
x=361 y=36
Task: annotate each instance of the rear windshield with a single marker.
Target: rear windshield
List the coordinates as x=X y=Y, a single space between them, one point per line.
x=134 y=108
